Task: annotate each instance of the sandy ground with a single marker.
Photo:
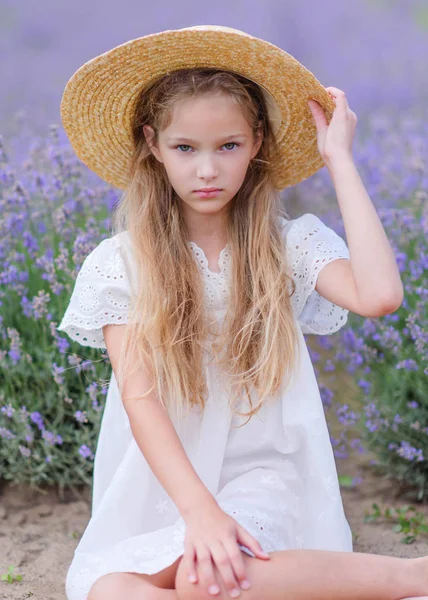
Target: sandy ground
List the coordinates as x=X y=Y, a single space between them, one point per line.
x=38 y=534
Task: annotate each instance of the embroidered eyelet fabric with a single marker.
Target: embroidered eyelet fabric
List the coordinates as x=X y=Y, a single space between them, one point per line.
x=276 y=476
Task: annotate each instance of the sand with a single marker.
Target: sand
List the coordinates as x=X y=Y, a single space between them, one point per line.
x=39 y=533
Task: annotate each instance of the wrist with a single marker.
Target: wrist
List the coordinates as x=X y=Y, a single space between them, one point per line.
x=338 y=162
x=202 y=499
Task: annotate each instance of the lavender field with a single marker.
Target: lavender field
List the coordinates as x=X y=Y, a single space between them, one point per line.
x=373 y=374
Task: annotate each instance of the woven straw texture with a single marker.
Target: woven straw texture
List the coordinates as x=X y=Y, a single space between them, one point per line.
x=99 y=98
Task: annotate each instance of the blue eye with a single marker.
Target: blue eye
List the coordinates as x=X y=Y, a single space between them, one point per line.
x=187 y=146
x=231 y=143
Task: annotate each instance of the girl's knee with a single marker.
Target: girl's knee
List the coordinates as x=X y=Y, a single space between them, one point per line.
x=198 y=591
x=106 y=586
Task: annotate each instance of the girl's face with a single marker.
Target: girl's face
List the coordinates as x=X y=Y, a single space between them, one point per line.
x=208 y=144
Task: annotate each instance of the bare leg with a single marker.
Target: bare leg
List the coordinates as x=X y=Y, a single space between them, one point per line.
x=321 y=575
x=128 y=586
x=137 y=586
x=326 y=575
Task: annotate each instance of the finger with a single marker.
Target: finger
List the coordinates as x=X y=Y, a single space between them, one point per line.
x=339 y=96
x=189 y=564
x=318 y=114
x=251 y=543
x=223 y=563
x=205 y=569
x=335 y=90
x=238 y=564
x=315 y=106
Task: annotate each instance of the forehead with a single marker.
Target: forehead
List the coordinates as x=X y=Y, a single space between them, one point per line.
x=207 y=112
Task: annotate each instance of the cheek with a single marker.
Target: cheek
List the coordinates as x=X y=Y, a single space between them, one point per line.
x=175 y=167
x=240 y=168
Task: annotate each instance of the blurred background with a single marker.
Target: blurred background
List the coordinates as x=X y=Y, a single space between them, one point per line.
x=375 y=50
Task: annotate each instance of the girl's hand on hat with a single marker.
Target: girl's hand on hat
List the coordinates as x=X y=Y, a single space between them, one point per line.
x=212 y=538
x=334 y=139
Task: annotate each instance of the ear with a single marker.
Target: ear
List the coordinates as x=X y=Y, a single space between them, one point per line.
x=149 y=134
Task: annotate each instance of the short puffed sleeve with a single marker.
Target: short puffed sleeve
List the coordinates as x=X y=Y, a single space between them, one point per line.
x=101 y=294
x=311 y=245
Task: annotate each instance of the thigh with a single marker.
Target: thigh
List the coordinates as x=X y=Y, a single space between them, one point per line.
x=113 y=585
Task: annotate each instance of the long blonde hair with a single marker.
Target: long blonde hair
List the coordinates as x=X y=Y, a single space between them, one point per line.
x=168 y=324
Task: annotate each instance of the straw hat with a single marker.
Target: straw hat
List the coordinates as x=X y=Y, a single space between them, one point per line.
x=99 y=98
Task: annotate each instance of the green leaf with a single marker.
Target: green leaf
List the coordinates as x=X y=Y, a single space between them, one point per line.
x=346 y=481
x=409 y=539
x=369 y=518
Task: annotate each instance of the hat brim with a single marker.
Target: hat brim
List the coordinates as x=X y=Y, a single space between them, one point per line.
x=99 y=99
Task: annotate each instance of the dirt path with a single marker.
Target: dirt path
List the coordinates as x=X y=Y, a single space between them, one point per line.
x=38 y=534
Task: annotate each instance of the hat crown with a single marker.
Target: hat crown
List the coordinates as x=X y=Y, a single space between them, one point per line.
x=273 y=109
x=222 y=28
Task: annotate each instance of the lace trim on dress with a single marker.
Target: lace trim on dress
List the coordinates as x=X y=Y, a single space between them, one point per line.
x=101 y=295
x=216 y=284
x=311 y=245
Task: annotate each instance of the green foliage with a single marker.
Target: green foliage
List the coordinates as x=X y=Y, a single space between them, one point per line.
x=388 y=359
x=52 y=390
x=10 y=577
x=410 y=525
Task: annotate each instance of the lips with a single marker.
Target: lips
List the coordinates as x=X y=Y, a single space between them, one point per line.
x=208 y=190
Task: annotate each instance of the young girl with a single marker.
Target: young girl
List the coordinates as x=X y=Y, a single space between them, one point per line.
x=214 y=465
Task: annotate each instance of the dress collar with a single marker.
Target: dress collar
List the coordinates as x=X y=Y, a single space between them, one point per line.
x=223 y=260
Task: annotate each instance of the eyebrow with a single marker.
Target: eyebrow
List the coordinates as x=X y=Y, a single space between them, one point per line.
x=188 y=140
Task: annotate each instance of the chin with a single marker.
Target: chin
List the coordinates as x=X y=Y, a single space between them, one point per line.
x=212 y=208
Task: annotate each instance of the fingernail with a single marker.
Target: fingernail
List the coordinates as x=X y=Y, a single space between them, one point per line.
x=213 y=589
x=245 y=585
x=235 y=593
x=192 y=578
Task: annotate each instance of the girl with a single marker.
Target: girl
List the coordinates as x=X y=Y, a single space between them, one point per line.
x=214 y=474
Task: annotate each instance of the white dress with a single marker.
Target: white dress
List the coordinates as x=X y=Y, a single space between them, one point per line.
x=276 y=475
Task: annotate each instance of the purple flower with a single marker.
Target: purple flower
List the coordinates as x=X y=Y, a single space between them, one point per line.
x=8 y=410
x=408 y=364
x=51 y=438
x=25 y=451
x=80 y=416
x=85 y=452
x=409 y=452
x=6 y=434
x=37 y=418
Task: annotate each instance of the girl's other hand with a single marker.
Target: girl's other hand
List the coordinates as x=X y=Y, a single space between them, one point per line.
x=334 y=139
x=212 y=536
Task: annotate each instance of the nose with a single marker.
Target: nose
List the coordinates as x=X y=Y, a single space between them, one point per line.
x=207 y=168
